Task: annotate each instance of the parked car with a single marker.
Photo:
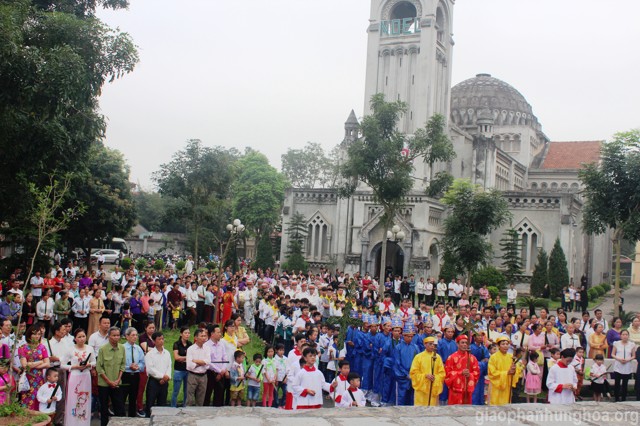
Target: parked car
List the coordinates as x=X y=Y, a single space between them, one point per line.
x=110 y=256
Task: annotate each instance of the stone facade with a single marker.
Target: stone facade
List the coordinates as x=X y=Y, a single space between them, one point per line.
x=499 y=143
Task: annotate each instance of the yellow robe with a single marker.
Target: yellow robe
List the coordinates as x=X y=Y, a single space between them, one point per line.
x=499 y=365
x=420 y=367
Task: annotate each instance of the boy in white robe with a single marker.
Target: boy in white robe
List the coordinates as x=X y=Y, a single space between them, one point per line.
x=353 y=396
x=309 y=383
x=341 y=382
x=562 y=379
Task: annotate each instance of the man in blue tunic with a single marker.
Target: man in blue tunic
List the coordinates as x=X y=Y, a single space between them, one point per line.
x=381 y=343
x=446 y=347
x=389 y=378
x=366 y=362
x=480 y=351
x=403 y=357
x=427 y=331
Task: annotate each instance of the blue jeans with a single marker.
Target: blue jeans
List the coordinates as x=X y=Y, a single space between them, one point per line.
x=279 y=401
x=179 y=377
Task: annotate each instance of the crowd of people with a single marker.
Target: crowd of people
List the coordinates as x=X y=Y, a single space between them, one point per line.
x=78 y=343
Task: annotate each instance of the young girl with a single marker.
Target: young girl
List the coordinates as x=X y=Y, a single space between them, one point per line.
x=6 y=382
x=578 y=365
x=281 y=376
x=597 y=375
x=533 y=384
x=269 y=376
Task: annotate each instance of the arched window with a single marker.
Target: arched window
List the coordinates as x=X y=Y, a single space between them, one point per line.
x=318 y=235
x=530 y=239
x=441 y=25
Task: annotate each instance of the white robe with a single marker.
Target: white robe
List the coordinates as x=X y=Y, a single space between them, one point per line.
x=309 y=378
x=341 y=386
x=346 y=399
x=559 y=375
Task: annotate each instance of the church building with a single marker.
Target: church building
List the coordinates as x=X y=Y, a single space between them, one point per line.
x=499 y=143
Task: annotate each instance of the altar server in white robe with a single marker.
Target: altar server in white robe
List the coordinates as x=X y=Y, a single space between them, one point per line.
x=309 y=383
x=562 y=379
x=353 y=395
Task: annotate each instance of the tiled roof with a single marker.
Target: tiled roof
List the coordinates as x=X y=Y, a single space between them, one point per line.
x=571 y=155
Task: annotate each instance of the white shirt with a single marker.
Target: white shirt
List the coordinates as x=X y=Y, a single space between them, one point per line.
x=58 y=349
x=44 y=308
x=97 y=340
x=441 y=288
x=44 y=393
x=39 y=281
x=158 y=364
x=81 y=304
x=569 y=341
x=512 y=295
x=556 y=378
x=346 y=399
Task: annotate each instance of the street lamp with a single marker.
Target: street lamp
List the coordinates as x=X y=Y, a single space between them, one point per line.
x=395 y=235
x=235 y=228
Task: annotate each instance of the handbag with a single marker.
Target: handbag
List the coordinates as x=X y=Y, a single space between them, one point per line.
x=23 y=383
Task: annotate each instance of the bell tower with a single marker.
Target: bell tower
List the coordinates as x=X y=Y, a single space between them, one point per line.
x=409 y=57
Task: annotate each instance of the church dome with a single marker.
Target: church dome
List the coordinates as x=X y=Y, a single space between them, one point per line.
x=484 y=96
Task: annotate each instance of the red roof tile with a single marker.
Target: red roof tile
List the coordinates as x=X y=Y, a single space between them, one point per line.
x=571 y=155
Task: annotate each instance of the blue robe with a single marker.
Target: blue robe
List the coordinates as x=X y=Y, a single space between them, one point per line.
x=389 y=377
x=381 y=345
x=403 y=358
x=366 y=362
x=480 y=352
x=445 y=349
x=356 y=363
x=350 y=349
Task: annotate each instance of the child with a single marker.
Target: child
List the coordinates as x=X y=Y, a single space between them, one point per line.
x=309 y=383
x=533 y=384
x=341 y=382
x=353 y=397
x=281 y=376
x=49 y=393
x=597 y=375
x=335 y=357
x=555 y=356
x=269 y=376
x=254 y=374
x=151 y=313
x=6 y=381
x=578 y=365
x=236 y=375
x=126 y=316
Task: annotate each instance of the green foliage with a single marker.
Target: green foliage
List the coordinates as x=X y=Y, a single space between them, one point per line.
x=104 y=188
x=297 y=231
x=309 y=167
x=295 y=258
x=489 y=275
x=627 y=318
x=211 y=265
x=200 y=177
x=345 y=321
x=473 y=213
x=449 y=268
x=180 y=265
x=510 y=245
x=493 y=291
x=158 y=265
x=606 y=287
x=53 y=64
x=532 y=302
x=156 y=213
x=593 y=294
x=540 y=275
x=12 y=409
x=264 y=255
x=558 y=272
x=611 y=194
x=258 y=193
x=201 y=271
x=125 y=263
x=600 y=290
x=141 y=263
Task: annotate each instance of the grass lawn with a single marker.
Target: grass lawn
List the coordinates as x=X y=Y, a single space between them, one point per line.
x=172 y=336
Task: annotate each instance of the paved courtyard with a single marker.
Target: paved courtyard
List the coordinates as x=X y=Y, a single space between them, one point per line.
x=583 y=413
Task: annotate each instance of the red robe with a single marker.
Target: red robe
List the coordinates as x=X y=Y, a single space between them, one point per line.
x=454 y=379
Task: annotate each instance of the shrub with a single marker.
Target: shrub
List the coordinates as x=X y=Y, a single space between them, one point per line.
x=141 y=263
x=180 y=265
x=624 y=283
x=592 y=293
x=606 y=287
x=125 y=263
x=158 y=265
x=489 y=275
x=600 y=290
x=493 y=291
x=201 y=271
x=211 y=265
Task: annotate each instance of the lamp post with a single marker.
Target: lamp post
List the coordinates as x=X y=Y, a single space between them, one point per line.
x=395 y=235
x=235 y=228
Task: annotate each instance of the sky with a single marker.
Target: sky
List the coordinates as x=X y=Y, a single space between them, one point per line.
x=276 y=74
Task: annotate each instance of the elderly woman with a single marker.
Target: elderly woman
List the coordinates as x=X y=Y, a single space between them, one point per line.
x=34 y=360
x=96 y=309
x=597 y=341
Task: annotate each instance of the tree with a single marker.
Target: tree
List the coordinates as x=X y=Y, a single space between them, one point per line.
x=489 y=275
x=297 y=231
x=307 y=167
x=258 y=193
x=558 y=272
x=540 y=276
x=155 y=212
x=611 y=193
x=103 y=188
x=55 y=57
x=264 y=255
x=383 y=158
x=200 y=177
x=511 y=260
x=473 y=213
